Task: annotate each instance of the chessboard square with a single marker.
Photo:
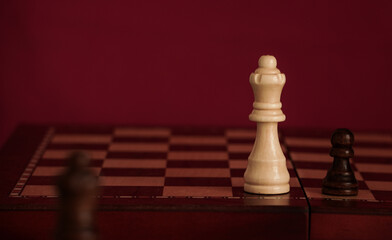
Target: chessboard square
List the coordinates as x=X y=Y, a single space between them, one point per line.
x=197 y=191
x=42 y=180
x=135 y=172
x=140 y=139
x=198 y=140
x=292 y=172
x=370 y=176
x=382 y=195
x=284 y=149
x=320 y=174
x=137 y=155
x=241 y=133
x=39 y=190
x=375 y=168
x=324 y=151
x=106 y=181
x=373 y=137
x=82 y=138
x=294 y=182
x=316 y=194
x=310 y=157
x=312 y=173
x=240 y=148
x=134 y=163
x=315 y=165
x=62 y=154
x=380 y=185
x=237 y=172
x=56 y=171
x=197 y=172
x=241 y=140
x=241 y=164
x=139 y=147
x=289 y=164
x=198 y=148
x=308 y=142
x=238 y=192
x=373 y=152
x=191 y=155
x=197 y=164
x=237 y=181
x=142 y=132
x=187 y=181
x=239 y=156
x=137 y=191
x=373 y=160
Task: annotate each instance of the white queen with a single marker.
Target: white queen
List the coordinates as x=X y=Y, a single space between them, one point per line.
x=267 y=172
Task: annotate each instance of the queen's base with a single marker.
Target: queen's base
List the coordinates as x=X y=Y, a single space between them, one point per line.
x=267 y=189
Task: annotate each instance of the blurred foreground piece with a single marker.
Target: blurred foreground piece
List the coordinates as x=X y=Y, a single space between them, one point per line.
x=77 y=190
x=267 y=172
x=340 y=179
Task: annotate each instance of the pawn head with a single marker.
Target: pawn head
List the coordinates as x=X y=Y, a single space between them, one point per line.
x=342 y=137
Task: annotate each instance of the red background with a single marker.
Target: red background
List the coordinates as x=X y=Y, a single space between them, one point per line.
x=188 y=62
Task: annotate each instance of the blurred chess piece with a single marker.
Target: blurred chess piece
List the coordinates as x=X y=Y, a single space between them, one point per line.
x=267 y=172
x=77 y=189
x=340 y=179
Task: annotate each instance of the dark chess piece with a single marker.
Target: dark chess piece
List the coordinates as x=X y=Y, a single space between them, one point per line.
x=77 y=190
x=340 y=179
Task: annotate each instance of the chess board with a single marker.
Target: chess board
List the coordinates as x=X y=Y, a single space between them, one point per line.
x=189 y=177
x=149 y=163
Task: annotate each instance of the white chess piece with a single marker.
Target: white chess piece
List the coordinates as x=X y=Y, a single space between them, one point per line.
x=267 y=172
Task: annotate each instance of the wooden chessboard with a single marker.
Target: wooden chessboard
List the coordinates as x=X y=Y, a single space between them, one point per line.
x=149 y=162
x=190 y=177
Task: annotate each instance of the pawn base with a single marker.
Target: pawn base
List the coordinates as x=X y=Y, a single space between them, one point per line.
x=340 y=191
x=267 y=189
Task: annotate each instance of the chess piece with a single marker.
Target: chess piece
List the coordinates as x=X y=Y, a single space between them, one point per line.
x=340 y=179
x=77 y=190
x=267 y=172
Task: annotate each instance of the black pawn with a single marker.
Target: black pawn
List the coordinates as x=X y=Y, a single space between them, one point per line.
x=340 y=179
x=77 y=190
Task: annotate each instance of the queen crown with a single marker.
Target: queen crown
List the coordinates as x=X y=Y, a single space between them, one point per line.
x=267 y=83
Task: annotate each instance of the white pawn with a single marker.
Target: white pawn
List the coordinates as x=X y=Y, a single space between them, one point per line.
x=267 y=172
